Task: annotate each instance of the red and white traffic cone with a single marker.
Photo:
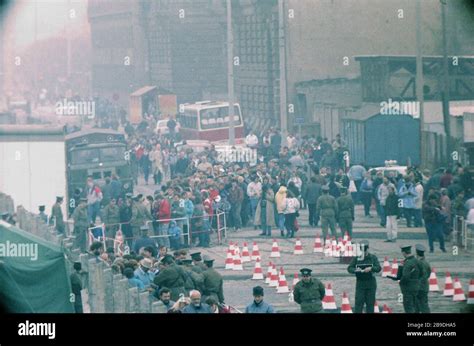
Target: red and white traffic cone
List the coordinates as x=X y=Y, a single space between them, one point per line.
x=236 y=249
x=448 y=286
x=257 y=273
x=458 y=292
x=433 y=281
x=386 y=268
x=275 y=250
x=394 y=268
x=376 y=308
x=274 y=277
x=298 y=247
x=282 y=284
x=317 y=245
x=470 y=295
x=231 y=248
x=328 y=247
x=269 y=273
x=386 y=309
x=245 y=254
x=329 y=303
x=229 y=261
x=345 y=306
x=295 y=280
x=334 y=247
x=350 y=249
x=255 y=252
x=237 y=262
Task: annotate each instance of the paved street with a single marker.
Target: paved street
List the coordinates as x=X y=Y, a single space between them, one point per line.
x=238 y=284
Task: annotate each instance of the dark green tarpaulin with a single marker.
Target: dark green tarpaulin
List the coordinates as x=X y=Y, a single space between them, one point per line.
x=32 y=282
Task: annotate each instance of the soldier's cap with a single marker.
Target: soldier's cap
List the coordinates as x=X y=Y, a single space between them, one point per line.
x=186 y=260
x=144 y=228
x=140 y=195
x=405 y=248
x=258 y=291
x=41 y=207
x=305 y=271
x=59 y=198
x=128 y=195
x=196 y=255
x=325 y=188
x=136 y=198
x=364 y=244
x=420 y=248
x=206 y=258
x=167 y=259
x=83 y=199
x=5 y=214
x=146 y=263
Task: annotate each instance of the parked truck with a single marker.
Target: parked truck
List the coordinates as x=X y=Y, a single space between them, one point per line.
x=38 y=163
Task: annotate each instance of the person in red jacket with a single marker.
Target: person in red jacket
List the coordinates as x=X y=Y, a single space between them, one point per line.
x=163 y=215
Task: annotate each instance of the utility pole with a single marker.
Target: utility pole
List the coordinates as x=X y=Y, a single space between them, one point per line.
x=282 y=53
x=230 y=72
x=68 y=40
x=419 y=80
x=446 y=115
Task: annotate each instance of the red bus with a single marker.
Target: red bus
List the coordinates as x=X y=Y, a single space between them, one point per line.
x=209 y=121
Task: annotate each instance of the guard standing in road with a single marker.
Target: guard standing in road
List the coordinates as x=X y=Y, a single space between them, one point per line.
x=309 y=293
x=410 y=279
x=346 y=212
x=81 y=224
x=364 y=267
x=57 y=214
x=326 y=207
x=422 y=296
x=213 y=282
x=197 y=261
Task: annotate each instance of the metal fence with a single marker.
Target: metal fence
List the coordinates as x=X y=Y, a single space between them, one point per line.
x=217 y=230
x=463 y=233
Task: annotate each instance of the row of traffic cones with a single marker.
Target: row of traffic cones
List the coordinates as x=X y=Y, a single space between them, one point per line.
x=329 y=303
x=234 y=259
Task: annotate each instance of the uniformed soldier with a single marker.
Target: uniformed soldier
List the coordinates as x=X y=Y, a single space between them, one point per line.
x=194 y=280
x=197 y=262
x=326 y=207
x=137 y=219
x=81 y=223
x=422 y=296
x=171 y=276
x=364 y=267
x=111 y=219
x=345 y=205
x=410 y=279
x=309 y=292
x=213 y=282
x=57 y=214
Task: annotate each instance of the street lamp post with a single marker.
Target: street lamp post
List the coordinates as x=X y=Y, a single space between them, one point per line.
x=230 y=72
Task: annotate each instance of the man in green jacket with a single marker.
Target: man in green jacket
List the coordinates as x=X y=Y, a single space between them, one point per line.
x=171 y=276
x=194 y=280
x=422 y=296
x=364 y=267
x=57 y=214
x=326 y=207
x=309 y=292
x=81 y=223
x=410 y=279
x=345 y=206
x=111 y=219
x=213 y=282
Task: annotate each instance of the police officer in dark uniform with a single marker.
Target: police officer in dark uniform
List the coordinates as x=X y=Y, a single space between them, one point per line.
x=364 y=267
x=422 y=296
x=172 y=277
x=197 y=261
x=309 y=292
x=410 y=279
x=194 y=280
x=213 y=282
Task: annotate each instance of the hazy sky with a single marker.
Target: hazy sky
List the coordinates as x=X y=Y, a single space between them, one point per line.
x=54 y=18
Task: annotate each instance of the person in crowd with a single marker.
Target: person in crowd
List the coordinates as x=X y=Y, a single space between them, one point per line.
x=292 y=205
x=264 y=214
x=259 y=306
